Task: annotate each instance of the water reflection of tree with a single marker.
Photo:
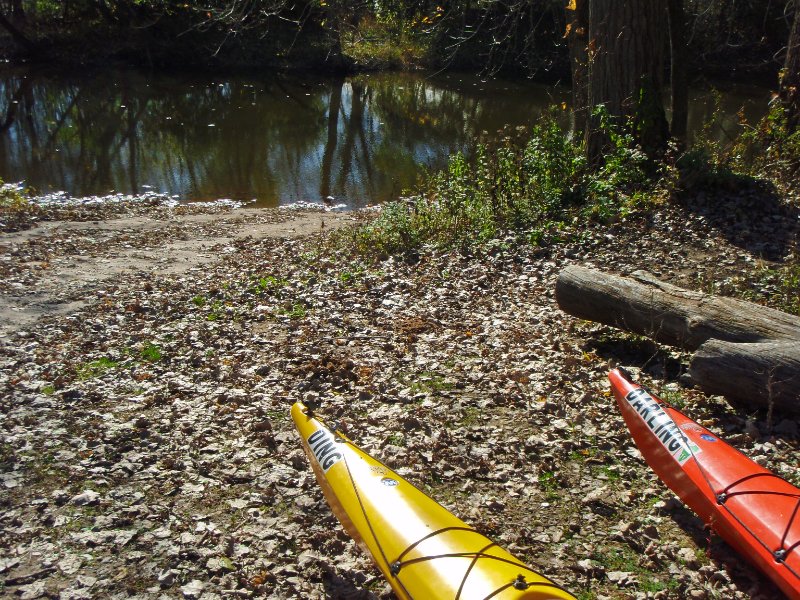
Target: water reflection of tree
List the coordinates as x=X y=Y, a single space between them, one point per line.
x=356 y=128
x=334 y=107
x=378 y=132
x=215 y=140
x=278 y=139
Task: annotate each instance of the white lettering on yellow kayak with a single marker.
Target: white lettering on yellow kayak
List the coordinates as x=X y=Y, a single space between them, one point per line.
x=324 y=447
x=662 y=425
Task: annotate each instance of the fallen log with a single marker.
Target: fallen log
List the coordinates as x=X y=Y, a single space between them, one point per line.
x=746 y=352
x=764 y=373
x=666 y=313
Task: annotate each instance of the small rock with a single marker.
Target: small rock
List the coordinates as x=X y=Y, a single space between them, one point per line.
x=193 y=589
x=687 y=556
x=86 y=498
x=31 y=591
x=621 y=578
x=590 y=567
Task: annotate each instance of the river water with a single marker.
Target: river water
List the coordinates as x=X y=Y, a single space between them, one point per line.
x=272 y=140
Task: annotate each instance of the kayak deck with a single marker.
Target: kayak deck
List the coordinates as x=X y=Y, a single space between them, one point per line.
x=751 y=508
x=423 y=550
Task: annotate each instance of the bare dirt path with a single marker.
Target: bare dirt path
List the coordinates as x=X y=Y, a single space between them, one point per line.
x=59 y=266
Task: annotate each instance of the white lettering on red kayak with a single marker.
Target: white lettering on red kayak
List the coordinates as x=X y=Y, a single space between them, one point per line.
x=324 y=448
x=662 y=425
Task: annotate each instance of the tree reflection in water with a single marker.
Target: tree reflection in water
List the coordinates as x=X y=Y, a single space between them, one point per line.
x=276 y=139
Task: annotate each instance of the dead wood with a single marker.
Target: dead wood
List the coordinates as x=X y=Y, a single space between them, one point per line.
x=746 y=352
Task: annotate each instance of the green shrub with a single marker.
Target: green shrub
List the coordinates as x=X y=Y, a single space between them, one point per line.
x=770 y=150
x=16 y=210
x=12 y=198
x=780 y=285
x=522 y=186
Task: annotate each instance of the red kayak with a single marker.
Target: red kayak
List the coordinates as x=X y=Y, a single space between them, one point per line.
x=751 y=508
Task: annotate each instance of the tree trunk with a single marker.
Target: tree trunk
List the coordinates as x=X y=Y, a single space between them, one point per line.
x=790 y=79
x=19 y=38
x=578 y=42
x=667 y=313
x=105 y=11
x=626 y=58
x=678 y=82
x=18 y=12
x=747 y=352
x=764 y=373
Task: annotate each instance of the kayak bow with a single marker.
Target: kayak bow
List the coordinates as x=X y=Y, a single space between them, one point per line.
x=751 y=508
x=423 y=550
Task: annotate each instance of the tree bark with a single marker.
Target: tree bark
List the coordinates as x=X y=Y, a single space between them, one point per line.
x=763 y=373
x=17 y=35
x=678 y=81
x=626 y=59
x=578 y=41
x=667 y=313
x=746 y=352
x=17 y=12
x=790 y=78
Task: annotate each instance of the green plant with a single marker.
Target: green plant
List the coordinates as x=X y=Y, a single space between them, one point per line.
x=217 y=311
x=549 y=484
x=648 y=583
x=96 y=368
x=472 y=416
x=150 y=352
x=582 y=455
x=522 y=187
x=268 y=284
x=770 y=150
x=625 y=179
x=782 y=284
x=12 y=198
x=610 y=472
x=396 y=439
x=618 y=558
x=296 y=311
x=390 y=37
x=199 y=301
x=673 y=397
x=425 y=382
x=348 y=277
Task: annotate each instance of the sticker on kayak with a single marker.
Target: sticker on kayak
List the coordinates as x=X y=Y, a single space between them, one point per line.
x=324 y=448
x=662 y=425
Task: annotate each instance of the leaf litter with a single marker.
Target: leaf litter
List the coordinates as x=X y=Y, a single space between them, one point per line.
x=147 y=450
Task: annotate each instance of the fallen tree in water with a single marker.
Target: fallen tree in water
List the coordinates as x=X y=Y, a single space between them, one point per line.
x=744 y=351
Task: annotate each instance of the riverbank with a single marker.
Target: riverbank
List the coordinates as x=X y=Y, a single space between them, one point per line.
x=147 y=449
x=63 y=262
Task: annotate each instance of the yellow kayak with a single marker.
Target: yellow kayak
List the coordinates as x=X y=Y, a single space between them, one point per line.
x=423 y=550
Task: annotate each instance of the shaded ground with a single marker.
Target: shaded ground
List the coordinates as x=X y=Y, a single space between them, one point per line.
x=147 y=449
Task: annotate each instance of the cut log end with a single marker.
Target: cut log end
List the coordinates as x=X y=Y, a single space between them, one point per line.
x=765 y=374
